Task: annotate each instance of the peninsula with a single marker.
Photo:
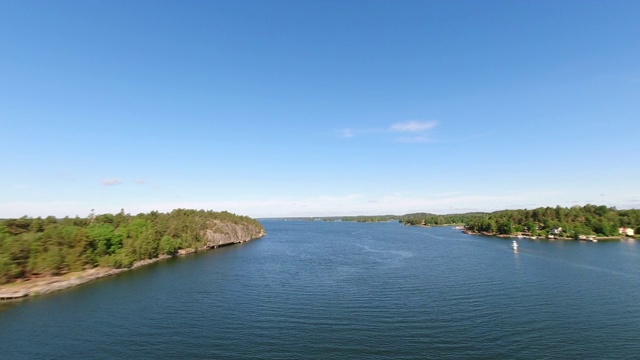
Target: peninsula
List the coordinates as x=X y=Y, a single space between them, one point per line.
x=39 y=256
x=577 y=222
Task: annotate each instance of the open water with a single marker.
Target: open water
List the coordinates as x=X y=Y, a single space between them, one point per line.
x=337 y=290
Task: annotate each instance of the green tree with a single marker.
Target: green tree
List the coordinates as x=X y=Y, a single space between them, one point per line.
x=505 y=227
x=103 y=238
x=8 y=270
x=168 y=245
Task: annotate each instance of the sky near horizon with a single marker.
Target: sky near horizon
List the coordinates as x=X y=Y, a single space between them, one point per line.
x=317 y=108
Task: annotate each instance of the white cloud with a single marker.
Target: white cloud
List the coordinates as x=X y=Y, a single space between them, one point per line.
x=139 y=181
x=419 y=129
x=413 y=126
x=111 y=182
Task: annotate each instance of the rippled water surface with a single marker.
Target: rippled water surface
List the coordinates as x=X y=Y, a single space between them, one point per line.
x=336 y=290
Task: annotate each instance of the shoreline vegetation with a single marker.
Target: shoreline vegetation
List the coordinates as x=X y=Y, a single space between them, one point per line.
x=40 y=256
x=588 y=222
x=551 y=237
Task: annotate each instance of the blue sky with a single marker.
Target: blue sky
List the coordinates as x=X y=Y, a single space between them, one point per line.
x=312 y=108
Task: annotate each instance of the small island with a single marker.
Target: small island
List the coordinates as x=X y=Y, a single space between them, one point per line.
x=39 y=256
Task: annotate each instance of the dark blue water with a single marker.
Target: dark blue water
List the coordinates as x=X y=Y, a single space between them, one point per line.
x=349 y=290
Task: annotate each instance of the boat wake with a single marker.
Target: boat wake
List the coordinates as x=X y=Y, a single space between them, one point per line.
x=401 y=253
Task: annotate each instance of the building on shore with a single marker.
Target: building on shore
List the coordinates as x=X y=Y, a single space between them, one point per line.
x=626 y=231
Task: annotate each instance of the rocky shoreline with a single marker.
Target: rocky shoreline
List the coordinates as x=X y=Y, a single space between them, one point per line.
x=39 y=286
x=592 y=238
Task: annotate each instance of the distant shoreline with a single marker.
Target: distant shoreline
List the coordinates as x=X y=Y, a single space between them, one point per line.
x=521 y=236
x=511 y=236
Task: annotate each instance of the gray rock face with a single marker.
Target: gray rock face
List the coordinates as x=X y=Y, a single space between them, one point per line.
x=227 y=233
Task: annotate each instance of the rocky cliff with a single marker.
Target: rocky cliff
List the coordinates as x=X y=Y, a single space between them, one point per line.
x=223 y=233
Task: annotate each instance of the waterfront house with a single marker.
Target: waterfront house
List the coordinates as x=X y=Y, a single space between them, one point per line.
x=626 y=231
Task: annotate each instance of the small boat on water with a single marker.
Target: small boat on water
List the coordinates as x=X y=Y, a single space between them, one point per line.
x=514 y=245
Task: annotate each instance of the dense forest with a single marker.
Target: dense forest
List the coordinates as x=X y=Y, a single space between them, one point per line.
x=561 y=221
x=427 y=219
x=50 y=246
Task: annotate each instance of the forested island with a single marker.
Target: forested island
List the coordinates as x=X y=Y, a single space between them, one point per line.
x=575 y=222
x=37 y=248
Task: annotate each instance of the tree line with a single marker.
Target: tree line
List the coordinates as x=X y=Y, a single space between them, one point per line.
x=49 y=246
x=572 y=222
x=427 y=219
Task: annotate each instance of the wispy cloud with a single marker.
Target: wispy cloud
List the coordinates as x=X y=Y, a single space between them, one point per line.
x=413 y=126
x=347 y=133
x=139 y=181
x=111 y=182
x=351 y=132
x=419 y=131
x=412 y=131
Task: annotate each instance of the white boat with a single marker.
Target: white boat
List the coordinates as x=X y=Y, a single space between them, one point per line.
x=514 y=245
